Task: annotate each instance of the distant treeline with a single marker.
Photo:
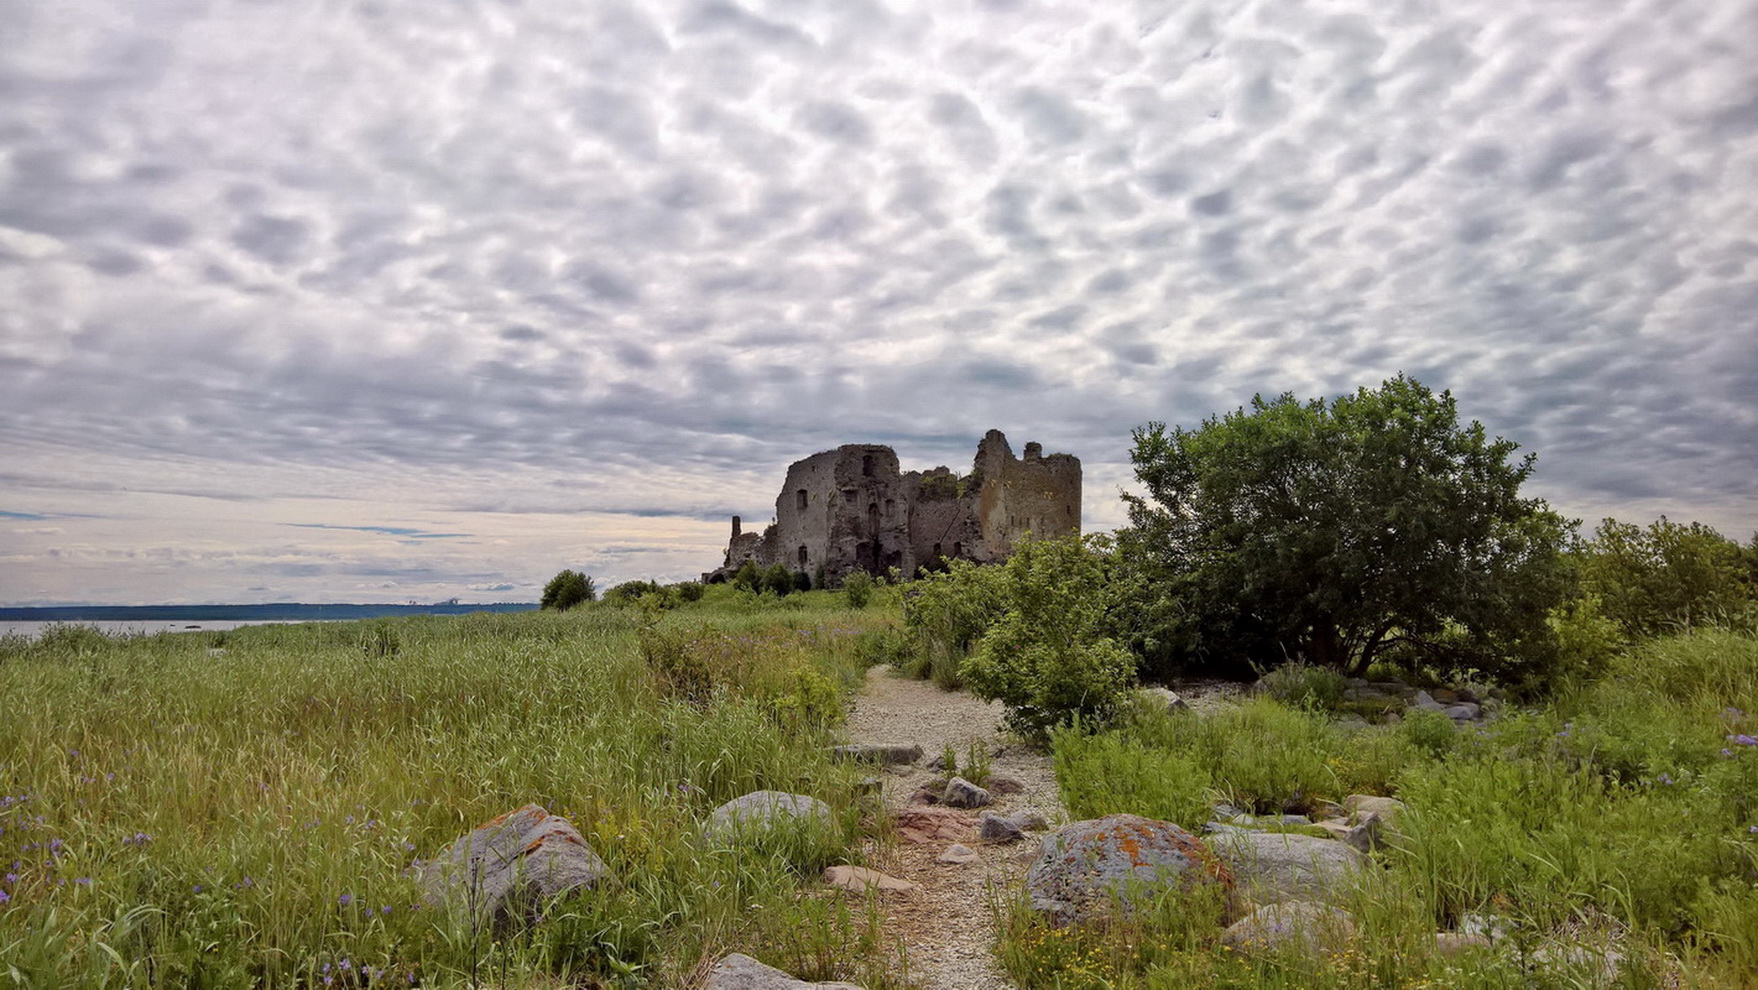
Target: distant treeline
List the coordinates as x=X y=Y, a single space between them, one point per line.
x=289 y=611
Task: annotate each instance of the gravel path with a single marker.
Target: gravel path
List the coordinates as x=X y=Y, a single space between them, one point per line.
x=947 y=928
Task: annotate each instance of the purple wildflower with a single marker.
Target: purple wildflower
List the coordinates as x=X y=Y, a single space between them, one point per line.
x=346 y=899
x=1743 y=740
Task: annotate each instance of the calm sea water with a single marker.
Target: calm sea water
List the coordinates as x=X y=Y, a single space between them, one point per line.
x=31 y=630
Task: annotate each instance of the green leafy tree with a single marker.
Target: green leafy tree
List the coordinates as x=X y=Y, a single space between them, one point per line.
x=777 y=578
x=1332 y=532
x=1048 y=657
x=749 y=577
x=1668 y=577
x=567 y=589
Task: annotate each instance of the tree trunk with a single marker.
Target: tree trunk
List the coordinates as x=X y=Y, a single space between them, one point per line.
x=1325 y=647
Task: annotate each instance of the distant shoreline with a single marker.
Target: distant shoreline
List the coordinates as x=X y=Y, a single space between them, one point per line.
x=281 y=611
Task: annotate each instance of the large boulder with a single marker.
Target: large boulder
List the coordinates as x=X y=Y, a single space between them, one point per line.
x=760 y=812
x=509 y=865
x=738 y=971
x=1290 y=926
x=1269 y=867
x=1088 y=865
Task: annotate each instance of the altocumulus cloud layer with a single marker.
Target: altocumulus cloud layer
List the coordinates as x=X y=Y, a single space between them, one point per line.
x=384 y=300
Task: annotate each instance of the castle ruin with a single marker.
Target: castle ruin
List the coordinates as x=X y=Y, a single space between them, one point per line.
x=852 y=508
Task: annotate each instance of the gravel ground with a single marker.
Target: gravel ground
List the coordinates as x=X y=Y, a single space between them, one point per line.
x=947 y=928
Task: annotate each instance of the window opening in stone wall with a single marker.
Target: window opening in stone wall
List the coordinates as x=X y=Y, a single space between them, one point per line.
x=873 y=518
x=803 y=555
x=958 y=550
x=800 y=498
x=867 y=465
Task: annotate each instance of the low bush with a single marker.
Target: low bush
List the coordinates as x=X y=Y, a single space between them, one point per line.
x=857 y=588
x=1045 y=657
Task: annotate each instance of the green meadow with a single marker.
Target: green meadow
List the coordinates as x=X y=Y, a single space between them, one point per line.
x=243 y=808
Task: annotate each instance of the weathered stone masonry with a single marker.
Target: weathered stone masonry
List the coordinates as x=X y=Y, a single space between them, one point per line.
x=852 y=508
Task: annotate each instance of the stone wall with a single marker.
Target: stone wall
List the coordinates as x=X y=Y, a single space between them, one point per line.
x=853 y=508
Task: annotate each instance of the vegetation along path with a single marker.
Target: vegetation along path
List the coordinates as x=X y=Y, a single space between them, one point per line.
x=947 y=927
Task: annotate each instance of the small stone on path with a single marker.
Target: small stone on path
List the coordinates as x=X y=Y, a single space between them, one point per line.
x=958 y=854
x=861 y=880
x=961 y=793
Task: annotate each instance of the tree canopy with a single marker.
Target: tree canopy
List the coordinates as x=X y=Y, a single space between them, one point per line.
x=1331 y=531
x=567 y=589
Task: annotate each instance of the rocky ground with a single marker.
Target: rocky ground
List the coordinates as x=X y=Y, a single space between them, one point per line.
x=947 y=926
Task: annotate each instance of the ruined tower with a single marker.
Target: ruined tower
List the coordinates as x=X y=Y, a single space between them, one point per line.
x=852 y=508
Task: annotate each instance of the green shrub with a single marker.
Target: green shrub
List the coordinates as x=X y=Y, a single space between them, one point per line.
x=886 y=646
x=749 y=577
x=1045 y=657
x=690 y=591
x=631 y=592
x=567 y=589
x=1669 y=577
x=947 y=612
x=857 y=588
x=802 y=581
x=779 y=580
x=1303 y=685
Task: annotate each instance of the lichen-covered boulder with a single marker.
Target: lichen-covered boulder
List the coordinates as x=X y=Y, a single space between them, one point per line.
x=1284 y=866
x=1088 y=866
x=510 y=865
x=760 y=812
x=738 y=971
x=1290 y=926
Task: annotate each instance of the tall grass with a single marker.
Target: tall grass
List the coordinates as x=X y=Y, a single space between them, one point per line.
x=1627 y=814
x=180 y=814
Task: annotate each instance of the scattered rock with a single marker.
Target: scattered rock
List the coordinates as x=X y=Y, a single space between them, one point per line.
x=1359 y=806
x=761 y=811
x=1268 y=821
x=862 y=880
x=1450 y=945
x=883 y=753
x=1290 y=925
x=511 y=864
x=959 y=854
x=1600 y=965
x=924 y=826
x=1488 y=926
x=870 y=785
x=1365 y=835
x=1464 y=711
x=1084 y=865
x=1445 y=696
x=997 y=784
x=1166 y=697
x=961 y=793
x=1284 y=866
x=924 y=795
x=1351 y=722
x=1425 y=702
x=738 y=971
x=994 y=828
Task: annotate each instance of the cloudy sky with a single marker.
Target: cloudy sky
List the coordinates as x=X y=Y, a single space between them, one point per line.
x=381 y=300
